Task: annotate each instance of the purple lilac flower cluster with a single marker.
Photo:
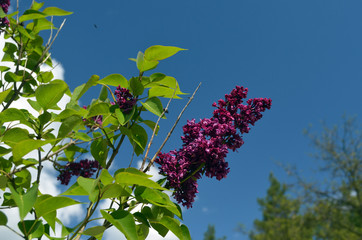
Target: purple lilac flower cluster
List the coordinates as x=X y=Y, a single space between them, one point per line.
x=207 y=142
x=125 y=99
x=84 y=168
x=4 y=4
x=96 y=120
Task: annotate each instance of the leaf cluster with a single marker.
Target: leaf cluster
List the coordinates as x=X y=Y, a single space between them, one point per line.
x=137 y=202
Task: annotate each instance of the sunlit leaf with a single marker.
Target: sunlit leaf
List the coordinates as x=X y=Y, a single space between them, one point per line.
x=49 y=95
x=130 y=178
x=25 y=202
x=114 y=80
x=159 y=52
x=54 y=11
x=53 y=203
x=4 y=94
x=154 y=105
x=123 y=221
x=3 y=219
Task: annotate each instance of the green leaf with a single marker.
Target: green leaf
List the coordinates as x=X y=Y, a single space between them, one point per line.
x=157 y=77
x=25 y=32
x=31 y=14
x=70 y=112
x=123 y=221
x=99 y=150
x=124 y=118
x=82 y=136
x=162 y=230
x=96 y=231
x=136 y=171
x=23 y=178
x=139 y=61
x=36 y=6
x=68 y=125
x=3 y=181
x=98 y=109
x=26 y=146
x=136 y=86
x=54 y=11
x=3 y=219
x=12 y=114
x=173 y=225
x=115 y=190
x=130 y=179
x=90 y=186
x=142 y=231
x=164 y=92
x=159 y=52
x=103 y=94
x=2 y=13
x=50 y=218
x=76 y=190
x=105 y=177
x=45 y=77
x=15 y=135
x=51 y=204
x=139 y=136
x=4 y=69
x=154 y=105
x=4 y=94
x=44 y=118
x=114 y=80
x=144 y=64
x=50 y=94
x=12 y=77
x=9 y=52
x=141 y=218
x=151 y=125
x=25 y=202
x=185 y=232
x=31 y=228
x=41 y=24
x=156 y=197
x=80 y=90
x=34 y=104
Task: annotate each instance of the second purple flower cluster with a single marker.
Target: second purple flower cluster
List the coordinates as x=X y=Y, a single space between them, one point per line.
x=207 y=142
x=85 y=168
x=4 y=4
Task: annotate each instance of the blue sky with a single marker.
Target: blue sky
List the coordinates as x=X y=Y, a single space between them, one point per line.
x=305 y=55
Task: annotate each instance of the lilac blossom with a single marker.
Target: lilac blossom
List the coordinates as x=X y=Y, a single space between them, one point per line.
x=206 y=143
x=4 y=4
x=85 y=168
x=125 y=99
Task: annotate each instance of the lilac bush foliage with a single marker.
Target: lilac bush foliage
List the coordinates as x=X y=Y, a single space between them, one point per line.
x=85 y=168
x=206 y=143
x=4 y=4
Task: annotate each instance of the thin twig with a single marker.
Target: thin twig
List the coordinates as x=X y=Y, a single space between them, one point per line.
x=170 y=132
x=155 y=129
x=56 y=35
x=14 y=231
